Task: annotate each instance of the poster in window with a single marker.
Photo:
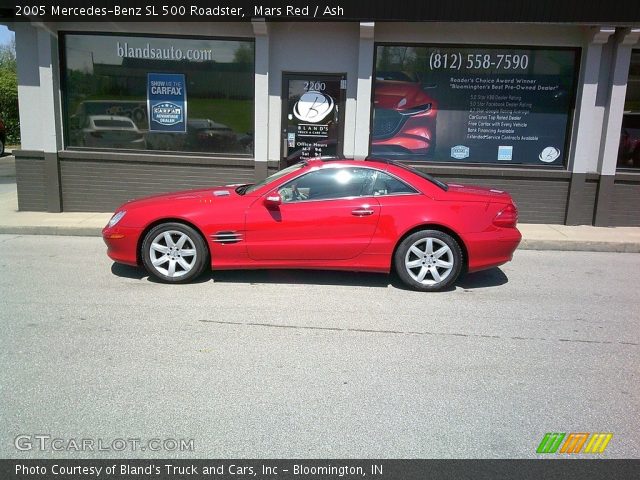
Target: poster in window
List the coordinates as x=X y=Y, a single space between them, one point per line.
x=499 y=105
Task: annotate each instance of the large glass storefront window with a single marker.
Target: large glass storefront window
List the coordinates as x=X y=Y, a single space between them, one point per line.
x=463 y=104
x=629 y=150
x=157 y=93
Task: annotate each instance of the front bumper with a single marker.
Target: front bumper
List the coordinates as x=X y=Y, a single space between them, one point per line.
x=413 y=135
x=122 y=244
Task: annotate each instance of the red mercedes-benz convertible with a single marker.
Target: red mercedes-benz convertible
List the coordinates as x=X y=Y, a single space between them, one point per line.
x=373 y=215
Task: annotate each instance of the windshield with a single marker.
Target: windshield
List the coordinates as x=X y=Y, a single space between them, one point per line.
x=244 y=189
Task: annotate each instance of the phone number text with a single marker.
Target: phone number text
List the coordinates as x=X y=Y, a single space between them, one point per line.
x=478 y=61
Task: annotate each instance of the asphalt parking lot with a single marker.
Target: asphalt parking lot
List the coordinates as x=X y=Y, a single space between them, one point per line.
x=316 y=364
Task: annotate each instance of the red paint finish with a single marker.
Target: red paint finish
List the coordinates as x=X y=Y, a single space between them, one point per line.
x=313 y=230
x=354 y=233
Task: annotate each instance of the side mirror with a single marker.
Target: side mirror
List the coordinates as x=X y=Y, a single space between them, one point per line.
x=273 y=200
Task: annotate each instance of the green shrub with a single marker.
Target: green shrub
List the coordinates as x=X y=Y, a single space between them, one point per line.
x=9 y=94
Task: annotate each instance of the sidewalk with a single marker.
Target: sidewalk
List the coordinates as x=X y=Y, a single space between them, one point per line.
x=535 y=236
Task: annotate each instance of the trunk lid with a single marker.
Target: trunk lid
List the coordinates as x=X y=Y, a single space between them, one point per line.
x=476 y=193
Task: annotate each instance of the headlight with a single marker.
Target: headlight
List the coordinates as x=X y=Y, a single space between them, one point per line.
x=416 y=110
x=116 y=218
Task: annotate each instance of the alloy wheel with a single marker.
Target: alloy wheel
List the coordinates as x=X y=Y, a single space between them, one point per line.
x=173 y=253
x=429 y=261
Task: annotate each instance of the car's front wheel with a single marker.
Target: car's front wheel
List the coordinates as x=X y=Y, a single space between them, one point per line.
x=428 y=260
x=174 y=253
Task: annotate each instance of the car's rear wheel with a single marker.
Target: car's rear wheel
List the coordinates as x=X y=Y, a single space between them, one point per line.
x=174 y=253
x=428 y=260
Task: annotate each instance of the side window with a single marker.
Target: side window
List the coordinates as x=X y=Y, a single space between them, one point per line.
x=328 y=183
x=385 y=184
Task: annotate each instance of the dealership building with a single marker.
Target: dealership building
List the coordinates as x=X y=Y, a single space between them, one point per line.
x=547 y=110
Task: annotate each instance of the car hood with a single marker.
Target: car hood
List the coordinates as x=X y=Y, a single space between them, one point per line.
x=184 y=195
x=471 y=193
x=390 y=94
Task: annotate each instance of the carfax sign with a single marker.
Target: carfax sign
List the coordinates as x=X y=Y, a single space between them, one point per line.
x=167 y=102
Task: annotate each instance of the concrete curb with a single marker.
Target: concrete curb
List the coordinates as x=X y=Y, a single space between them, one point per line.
x=51 y=230
x=579 y=246
x=527 y=244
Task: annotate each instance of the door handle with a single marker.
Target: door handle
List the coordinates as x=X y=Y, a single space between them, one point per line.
x=362 y=212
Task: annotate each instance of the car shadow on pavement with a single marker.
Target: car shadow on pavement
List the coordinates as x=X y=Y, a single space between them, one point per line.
x=299 y=277
x=489 y=278
x=139 y=273
x=494 y=277
x=303 y=277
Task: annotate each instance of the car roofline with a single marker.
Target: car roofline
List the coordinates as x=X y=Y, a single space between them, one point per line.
x=385 y=161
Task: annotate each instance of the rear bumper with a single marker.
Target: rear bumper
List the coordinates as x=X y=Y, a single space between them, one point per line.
x=122 y=244
x=490 y=249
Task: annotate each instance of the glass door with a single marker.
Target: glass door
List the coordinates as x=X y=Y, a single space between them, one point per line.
x=312 y=116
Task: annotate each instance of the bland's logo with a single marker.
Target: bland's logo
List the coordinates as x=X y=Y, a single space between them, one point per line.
x=313 y=106
x=167 y=113
x=549 y=154
x=459 y=152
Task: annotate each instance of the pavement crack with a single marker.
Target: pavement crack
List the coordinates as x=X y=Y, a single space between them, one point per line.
x=558 y=231
x=412 y=332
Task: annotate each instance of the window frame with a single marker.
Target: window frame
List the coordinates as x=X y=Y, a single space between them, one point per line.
x=626 y=168
x=63 y=93
x=395 y=194
x=336 y=167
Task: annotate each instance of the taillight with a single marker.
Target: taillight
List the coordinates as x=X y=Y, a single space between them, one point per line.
x=507 y=217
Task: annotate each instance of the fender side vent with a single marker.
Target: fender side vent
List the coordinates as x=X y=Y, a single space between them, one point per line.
x=227 y=236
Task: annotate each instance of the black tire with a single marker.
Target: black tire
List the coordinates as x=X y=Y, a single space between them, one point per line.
x=430 y=283
x=1 y=147
x=179 y=257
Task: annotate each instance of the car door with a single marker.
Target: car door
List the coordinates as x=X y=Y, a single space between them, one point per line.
x=326 y=214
